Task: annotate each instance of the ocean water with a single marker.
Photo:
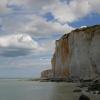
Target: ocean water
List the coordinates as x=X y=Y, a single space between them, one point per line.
x=31 y=90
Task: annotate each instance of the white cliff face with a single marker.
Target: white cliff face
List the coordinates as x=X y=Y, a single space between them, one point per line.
x=46 y=74
x=60 y=59
x=77 y=54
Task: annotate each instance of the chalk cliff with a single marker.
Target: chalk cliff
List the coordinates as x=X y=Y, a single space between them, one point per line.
x=46 y=74
x=77 y=54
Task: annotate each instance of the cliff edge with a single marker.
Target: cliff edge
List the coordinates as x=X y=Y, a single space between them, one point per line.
x=77 y=54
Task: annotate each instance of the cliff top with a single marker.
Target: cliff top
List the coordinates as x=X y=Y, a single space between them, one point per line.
x=88 y=29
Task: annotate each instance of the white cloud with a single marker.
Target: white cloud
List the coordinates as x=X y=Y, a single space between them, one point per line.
x=3 y=7
x=83 y=26
x=34 y=25
x=18 y=41
x=27 y=16
x=69 y=11
x=31 y=4
x=74 y=10
x=95 y=5
x=6 y=6
x=17 y=45
x=22 y=44
x=40 y=26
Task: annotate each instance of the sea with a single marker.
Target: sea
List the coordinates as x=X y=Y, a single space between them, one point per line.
x=17 y=89
x=22 y=89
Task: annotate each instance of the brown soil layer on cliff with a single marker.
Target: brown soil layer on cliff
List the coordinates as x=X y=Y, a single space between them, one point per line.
x=76 y=55
x=88 y=29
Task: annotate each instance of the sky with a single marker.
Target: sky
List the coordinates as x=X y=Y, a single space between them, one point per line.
x=29 y=28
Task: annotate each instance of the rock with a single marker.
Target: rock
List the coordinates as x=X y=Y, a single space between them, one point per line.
x=94 y=87
x=77 y=90
x=46 y=74
x=59 y=60
x=96 y=92
x=77 y=54
x=84 y=97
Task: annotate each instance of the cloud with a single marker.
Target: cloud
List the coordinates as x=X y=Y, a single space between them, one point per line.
x=74 y=10
x=18 y=41
x=14 y=52
x=10 y=6
x=31 y=4
x=33 y=24
x=95 y=5
x=3 y=8
x=63 y=10
x=20 y=20
x=17 y=45
x=31 y=17
x=39 y=26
